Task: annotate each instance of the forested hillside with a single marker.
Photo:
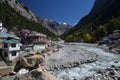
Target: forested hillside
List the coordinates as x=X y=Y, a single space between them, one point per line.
x=102 y=20
x=13 y=19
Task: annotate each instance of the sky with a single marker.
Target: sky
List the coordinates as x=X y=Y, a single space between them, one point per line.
x=68 y=11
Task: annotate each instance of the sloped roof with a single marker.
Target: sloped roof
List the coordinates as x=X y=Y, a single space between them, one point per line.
x=6 y=35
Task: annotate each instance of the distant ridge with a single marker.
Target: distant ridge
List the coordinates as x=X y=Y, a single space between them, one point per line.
x=55 y=27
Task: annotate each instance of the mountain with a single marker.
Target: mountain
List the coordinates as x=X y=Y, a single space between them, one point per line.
x=103 y=18
x=21 y=8
x=14 y=14
x=55 y=27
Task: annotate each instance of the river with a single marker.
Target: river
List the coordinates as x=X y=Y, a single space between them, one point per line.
x=105 y=60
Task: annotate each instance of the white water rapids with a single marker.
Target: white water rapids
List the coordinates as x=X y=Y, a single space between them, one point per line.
x=105 y=60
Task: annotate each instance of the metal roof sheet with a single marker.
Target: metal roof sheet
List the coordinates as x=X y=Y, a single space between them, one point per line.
x=10 y=41
x=6 y=35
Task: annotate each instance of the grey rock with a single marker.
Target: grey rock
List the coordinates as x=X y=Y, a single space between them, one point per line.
x=107 y=74
x=37 y=74
x=21 y=8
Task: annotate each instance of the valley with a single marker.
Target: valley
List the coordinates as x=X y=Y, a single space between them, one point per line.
x=44 y=41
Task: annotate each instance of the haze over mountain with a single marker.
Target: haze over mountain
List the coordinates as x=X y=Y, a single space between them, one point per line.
x=102 y=20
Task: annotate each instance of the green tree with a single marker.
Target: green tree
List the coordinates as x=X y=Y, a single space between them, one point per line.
x=100 y=32
x=69 y=38
x=87 y=37
x=112 y=25
x=11 y=18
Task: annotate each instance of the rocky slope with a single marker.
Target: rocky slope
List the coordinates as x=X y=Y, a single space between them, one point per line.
x=16 y=15
x=113 y=42
x=105 y=13
x=23 y=10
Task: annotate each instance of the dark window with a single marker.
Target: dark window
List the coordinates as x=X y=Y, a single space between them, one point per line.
x=13 y=53
x=5 y=54
x=13 y=45
x=5 y=45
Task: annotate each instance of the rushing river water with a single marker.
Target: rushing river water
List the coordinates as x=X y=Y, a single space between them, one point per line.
x=105 y=60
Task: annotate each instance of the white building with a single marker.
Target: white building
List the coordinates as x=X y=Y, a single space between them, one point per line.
x=1 y=26
x=9 y=46
x=2 y=29
x=10 y=49
x=40 y=45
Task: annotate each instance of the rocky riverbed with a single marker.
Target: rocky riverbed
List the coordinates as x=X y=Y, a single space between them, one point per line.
x=112 y=73
x=67 y=64
x=104 y=61
x=69 y=56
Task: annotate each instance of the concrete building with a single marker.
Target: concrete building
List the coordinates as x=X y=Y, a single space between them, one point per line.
x=39 y=41
x=10 y=49
x=2 y=29
x=9 y=46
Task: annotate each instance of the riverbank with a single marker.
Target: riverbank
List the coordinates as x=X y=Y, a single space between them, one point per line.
x=112 y=44
x=104 y=60
x=71 y=55
x=110 y=48
x=112 y=73
x=81 y=61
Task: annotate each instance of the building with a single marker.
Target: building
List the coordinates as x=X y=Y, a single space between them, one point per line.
x=10 y=49
x=9 y=46
x=0 y=25
x=2 y=29
x=37 y=37
x=40 y=45
x=39 y=40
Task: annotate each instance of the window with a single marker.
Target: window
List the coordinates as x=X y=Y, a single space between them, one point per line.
x=5 y=45
x=5 y=54
x=13 y=53
x=13 y=45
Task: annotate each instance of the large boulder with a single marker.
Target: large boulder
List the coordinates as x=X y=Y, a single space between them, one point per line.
x=114 y=36
x=6 y=70
x=37 y=74
x=114 y=44
x=29 y=62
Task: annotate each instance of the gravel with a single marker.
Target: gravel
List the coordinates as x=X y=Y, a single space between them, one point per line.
x=69 y=56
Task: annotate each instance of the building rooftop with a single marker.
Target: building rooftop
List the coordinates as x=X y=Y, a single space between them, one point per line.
x=6 y=35
x=10 y=41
